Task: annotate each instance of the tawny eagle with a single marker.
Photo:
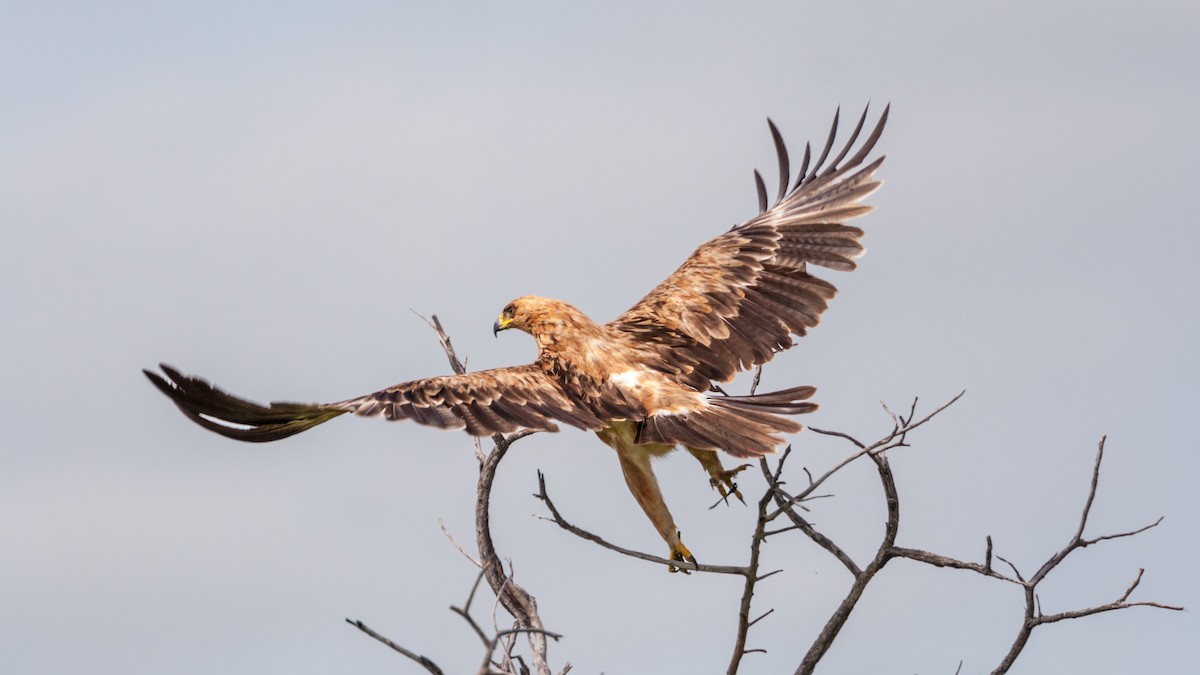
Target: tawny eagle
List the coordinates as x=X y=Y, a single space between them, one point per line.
x=643 y=382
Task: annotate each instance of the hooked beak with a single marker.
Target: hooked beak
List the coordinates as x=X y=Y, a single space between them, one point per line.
x=501 y=324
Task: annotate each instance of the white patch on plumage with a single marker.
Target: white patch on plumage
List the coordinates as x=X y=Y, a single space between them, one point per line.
x=701 y=403
x=630 y=378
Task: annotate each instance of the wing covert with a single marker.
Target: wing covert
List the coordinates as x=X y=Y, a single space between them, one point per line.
x=501 y=400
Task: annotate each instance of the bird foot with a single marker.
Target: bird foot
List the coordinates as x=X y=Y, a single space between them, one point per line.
x=723 y=481
x=682 y=554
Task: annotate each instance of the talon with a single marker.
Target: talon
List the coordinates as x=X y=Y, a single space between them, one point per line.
x=682 y=554
x=724 y=483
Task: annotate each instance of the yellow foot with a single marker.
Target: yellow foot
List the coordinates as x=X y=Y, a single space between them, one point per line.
x=682 y=554
x=723 y=481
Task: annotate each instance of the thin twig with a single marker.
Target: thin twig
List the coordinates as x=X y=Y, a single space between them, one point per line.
x=423 y=660
x=783 y=499
x=458 y=546
x=455 y=364
x=465 y=612
x=474 y=626
x=757 y=379
x=878 y=446
x=1012 y=567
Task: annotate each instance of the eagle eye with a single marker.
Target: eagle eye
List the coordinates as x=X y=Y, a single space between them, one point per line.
x=508 y=311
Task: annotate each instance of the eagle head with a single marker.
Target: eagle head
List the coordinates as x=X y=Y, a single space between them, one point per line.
x=538 y=316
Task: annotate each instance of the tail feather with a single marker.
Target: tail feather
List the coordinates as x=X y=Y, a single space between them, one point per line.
x=782 y=397
x=234 y=417
x=743 y=426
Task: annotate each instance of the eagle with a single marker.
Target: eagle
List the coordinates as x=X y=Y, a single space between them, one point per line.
x=646 y=382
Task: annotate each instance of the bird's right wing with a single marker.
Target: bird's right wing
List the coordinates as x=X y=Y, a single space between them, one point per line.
x=485 y=402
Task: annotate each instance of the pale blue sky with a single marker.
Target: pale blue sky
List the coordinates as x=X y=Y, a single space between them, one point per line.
x=260 y=192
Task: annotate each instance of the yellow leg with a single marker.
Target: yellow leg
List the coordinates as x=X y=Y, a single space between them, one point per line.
x=639 y=476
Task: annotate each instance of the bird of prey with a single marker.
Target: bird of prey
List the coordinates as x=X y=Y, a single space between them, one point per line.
x=645 y=382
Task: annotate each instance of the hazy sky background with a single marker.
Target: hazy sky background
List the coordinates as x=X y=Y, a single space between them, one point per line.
x=259 y=193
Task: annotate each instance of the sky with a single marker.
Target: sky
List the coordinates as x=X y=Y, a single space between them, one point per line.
x=265 y=193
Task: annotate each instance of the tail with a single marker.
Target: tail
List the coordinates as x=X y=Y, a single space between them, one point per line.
x=234 y=417
x=743 y=426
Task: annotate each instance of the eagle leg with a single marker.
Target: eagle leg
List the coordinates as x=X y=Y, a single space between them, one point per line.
x=718 y=476
x=639 y=476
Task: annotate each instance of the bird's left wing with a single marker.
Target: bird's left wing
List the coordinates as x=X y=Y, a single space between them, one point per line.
x=485 y=402
x=741 y=296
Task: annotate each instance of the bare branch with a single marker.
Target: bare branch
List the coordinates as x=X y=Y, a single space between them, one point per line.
x=1087 y=506
x=944 y=561
x=839 y=434
x=1077 y=541
x=474 y=626
x=465 y=612
x=763 y=615
x=784 y=501
x=897 y=422
x=1119 y=603
x=425 y=662
x=1033 y=614
x=1051 y=618
x=458 y=546
x=752 y=579
x=484 y=669
x=1012 y=567
x=455 y=364
x=775 y=502
x=515 y=599
x=558 y=519
x=878 y=446
x=1088 y=542
x=1133 y=586
x=833 y=626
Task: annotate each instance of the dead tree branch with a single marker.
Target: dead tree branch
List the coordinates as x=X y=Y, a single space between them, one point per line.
x=837 y=620
x=775 y=502
x=888 y=550
x=515 y=599
x=752 y=579
x=518 y=602
x=1033 y=614
x=557 y=518
x=425 y=662
x=894 y=439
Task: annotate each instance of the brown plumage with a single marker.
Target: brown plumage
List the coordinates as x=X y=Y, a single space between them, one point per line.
x=643 y=382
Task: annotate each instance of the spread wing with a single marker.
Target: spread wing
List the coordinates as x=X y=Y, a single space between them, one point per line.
x=741 y=296
x=485 y=402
